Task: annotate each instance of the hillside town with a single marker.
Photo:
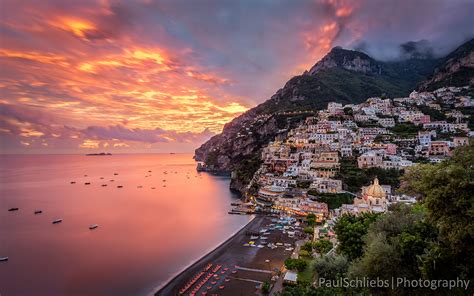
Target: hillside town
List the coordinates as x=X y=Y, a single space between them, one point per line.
x=381 y=134
x=344 y=159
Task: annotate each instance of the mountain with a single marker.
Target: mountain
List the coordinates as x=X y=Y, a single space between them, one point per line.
x=456 y=69
x=344 y=76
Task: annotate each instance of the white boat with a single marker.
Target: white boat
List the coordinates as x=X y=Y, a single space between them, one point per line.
x=3 y=259
x=56 y=221
x=93 y=226
x=254 y=237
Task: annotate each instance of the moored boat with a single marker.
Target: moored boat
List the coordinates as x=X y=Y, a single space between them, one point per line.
x=93 y=226
x=56 y=221
x=13 y=209
x=38 y=212
x=3 y=259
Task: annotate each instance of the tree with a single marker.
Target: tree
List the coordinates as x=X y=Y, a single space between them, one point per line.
x=393 y=247
x=303 y=184
x=295 y=264
x=308 y=246
x=304 y=253
x=333 y=200
x=265 y=288
x=446 y=189
x=350 y=230
x=348 y=111
x=323 y=246
x=308 y=230
x=331 y=267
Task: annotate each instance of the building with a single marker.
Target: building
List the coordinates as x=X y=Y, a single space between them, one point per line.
x=424 y=138
x=438 y=148
x=460 y=141
x=326 y=185
x=374 y=198
x=369 y=159
x=387 y=121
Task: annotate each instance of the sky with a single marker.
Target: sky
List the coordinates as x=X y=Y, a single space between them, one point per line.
x=164 y=76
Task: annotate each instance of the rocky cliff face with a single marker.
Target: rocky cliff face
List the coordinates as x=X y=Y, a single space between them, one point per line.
x=349 y=60
x=456 y=69
x=237 y=148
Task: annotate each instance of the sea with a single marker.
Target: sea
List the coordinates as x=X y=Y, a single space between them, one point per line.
x=156 y=216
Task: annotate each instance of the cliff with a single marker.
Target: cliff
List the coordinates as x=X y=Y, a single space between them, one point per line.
x=456 y=69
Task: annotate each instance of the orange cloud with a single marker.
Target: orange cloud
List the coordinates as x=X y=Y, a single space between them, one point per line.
x=79 y=27
x=45 y=58
x=207 y=77
x=344 y=11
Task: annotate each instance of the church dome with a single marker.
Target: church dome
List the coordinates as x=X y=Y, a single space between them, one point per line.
x=375 y=190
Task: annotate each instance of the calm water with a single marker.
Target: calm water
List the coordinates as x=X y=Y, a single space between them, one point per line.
x=145 y=235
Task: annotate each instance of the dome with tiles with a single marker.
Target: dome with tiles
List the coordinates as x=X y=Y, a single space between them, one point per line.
x=375 y=190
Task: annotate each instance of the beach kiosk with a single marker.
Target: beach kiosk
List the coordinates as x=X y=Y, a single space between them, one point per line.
x=290 y=278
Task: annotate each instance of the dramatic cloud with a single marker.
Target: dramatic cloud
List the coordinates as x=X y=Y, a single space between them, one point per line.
x=138 y=75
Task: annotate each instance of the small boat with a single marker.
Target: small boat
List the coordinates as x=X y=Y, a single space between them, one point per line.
x=85 y=175
x=102 y=178
x=87 y=183
x=153 y=188
x=56 y=221
x=120 y=186
x=115 y=174
x=112 y=180
x=93 y=226
x=38 y=212
x=104 y=185
x=73 y=182
x=149 y=171
x=13 y=209
x=3 y=259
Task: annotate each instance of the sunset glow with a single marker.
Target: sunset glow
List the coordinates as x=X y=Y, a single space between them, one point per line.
x=155 y=75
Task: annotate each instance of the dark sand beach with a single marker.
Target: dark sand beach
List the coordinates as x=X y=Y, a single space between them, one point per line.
x=242 y=269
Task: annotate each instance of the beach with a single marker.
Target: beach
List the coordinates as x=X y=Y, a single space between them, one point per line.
x=235 y=269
